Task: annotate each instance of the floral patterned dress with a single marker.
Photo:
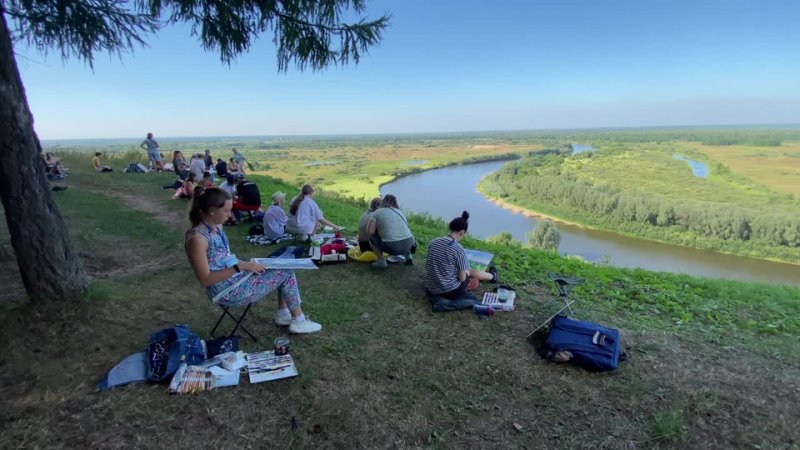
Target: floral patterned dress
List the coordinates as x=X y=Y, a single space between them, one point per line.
x=244 y=287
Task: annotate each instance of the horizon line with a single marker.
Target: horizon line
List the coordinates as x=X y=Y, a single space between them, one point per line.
x=412 y=133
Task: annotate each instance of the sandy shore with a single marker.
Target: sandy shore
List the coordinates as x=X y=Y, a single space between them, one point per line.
x=528 y=212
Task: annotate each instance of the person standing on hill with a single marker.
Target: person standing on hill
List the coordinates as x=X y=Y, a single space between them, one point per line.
x=153 y=154
x=240 y=160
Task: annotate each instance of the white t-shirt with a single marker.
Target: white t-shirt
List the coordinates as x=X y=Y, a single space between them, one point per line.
x=274 y=221
x=229 y=188
x=308 y=214
x=198 y=166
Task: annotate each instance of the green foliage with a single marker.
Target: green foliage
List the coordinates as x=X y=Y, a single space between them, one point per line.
x=82 y=28
x=503 y=238
x=545 y=236
x=310 y=34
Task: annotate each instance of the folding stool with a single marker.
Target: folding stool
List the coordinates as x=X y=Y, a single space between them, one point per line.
x=226 y=312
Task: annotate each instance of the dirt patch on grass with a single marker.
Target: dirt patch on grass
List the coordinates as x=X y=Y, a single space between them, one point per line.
x=174 y=217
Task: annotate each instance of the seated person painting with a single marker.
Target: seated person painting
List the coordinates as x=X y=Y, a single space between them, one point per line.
x=96 y=164
x=305 y=217
x=187 y=188
x=228 y=281
x=53 y=166
x=248 y=196
x=275 y=218
x=363 y=235
x=389 y=232
x=447 y=270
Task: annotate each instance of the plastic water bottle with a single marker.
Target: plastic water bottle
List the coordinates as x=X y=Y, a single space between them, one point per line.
x=483 y=310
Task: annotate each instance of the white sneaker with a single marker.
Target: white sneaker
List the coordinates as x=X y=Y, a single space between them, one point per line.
x=282 y=321
x=306 y=326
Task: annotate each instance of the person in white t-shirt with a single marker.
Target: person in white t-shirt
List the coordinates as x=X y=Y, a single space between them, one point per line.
x=304 y=214
x=275 y=218
x=197 y=165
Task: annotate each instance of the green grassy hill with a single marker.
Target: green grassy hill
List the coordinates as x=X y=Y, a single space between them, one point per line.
x=712 y=363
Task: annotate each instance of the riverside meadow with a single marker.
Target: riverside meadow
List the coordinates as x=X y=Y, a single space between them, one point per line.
x=713 y=363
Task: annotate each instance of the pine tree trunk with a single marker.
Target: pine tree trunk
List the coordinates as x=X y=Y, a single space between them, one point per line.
x=49 y=267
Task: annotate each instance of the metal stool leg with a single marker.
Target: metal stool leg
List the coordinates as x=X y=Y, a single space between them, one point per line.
x=226 y=312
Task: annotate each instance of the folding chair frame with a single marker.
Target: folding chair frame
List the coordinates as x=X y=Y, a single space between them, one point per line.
x=564 y=286
x=226 y=312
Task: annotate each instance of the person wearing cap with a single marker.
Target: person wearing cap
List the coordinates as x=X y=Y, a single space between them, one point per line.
x=275 y=218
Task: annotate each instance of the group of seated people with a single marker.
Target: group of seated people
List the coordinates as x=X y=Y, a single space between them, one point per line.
x=231 y=282
x=383 y=229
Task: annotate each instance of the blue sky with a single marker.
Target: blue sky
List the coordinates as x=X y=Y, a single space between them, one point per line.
x=449 y=65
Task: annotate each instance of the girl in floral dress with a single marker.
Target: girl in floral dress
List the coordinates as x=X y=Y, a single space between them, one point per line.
x=230 y=282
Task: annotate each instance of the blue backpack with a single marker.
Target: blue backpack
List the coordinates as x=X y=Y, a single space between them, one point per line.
x=169 y=348
x=592 y=346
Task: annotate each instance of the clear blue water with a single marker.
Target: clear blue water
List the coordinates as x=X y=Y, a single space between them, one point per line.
x=699 y=169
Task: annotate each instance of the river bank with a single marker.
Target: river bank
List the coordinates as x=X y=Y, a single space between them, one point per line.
x=516 y=209
x=444 y=193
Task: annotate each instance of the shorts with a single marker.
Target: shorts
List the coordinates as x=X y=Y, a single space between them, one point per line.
x=401 y=248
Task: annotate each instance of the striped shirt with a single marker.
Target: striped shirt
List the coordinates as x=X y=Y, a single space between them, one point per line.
x=446 y=259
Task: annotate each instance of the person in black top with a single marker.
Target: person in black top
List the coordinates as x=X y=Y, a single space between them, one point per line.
x=222 y=168
x=248 y=197
x=208 y=159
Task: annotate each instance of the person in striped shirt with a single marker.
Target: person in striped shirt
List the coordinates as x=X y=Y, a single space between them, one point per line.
x=447 y=271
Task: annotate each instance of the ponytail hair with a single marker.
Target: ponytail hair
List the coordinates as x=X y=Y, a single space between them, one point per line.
x=307 y=190
x=460 y=223
x=204 y=200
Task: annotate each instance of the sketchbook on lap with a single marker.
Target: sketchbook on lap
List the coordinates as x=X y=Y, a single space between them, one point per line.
x=478 y=260
x=283 y=263
x=266 y=366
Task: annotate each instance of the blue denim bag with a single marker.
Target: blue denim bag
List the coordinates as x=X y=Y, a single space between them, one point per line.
x=169 y=348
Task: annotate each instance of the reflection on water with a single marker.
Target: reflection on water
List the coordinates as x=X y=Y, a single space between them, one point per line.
x=446 y=192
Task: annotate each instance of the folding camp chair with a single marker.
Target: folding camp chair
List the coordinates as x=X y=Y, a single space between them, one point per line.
x=564 y=286
x=226 y=312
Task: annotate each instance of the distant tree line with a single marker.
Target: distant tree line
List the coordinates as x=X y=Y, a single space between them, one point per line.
x=537 y=180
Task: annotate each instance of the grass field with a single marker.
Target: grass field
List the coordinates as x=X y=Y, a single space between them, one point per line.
x=651 y=168
x=777 y=168
x=713 y=364
x=359 y=171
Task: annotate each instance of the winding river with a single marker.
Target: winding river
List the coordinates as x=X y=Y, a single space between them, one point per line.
x=446 y=192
